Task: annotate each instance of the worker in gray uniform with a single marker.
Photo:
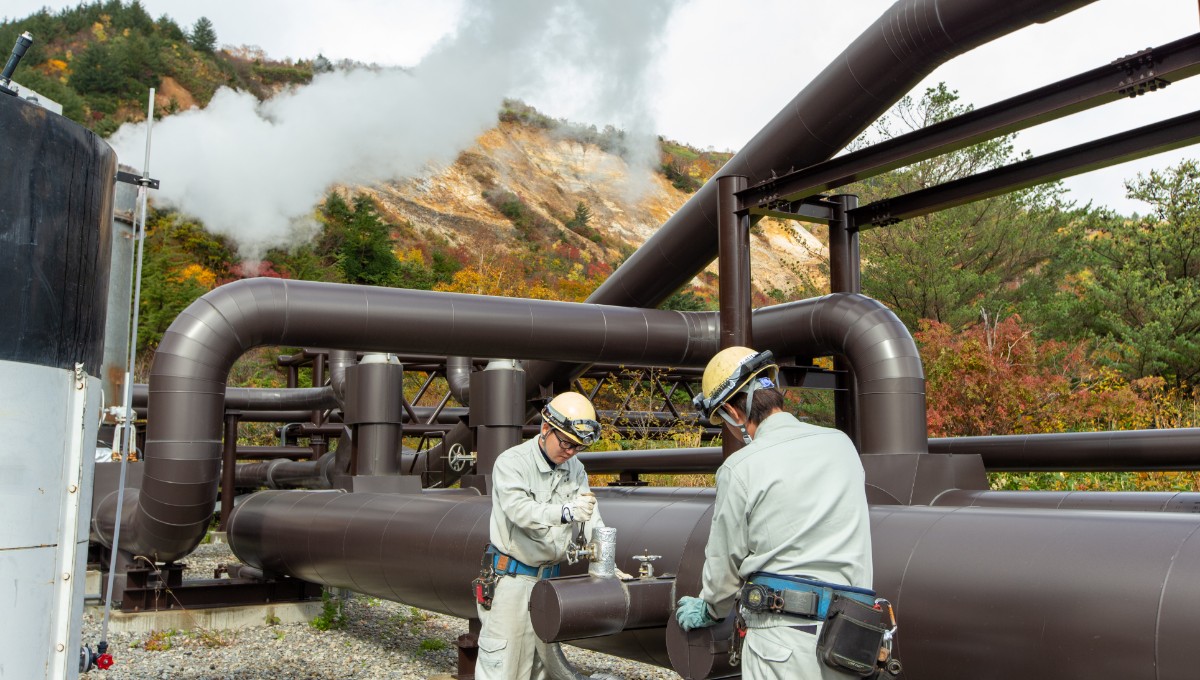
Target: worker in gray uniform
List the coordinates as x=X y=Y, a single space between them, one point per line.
x=539 y=492
x=790 y=535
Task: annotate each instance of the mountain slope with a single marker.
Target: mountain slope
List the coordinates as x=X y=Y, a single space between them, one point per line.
x=553 y=174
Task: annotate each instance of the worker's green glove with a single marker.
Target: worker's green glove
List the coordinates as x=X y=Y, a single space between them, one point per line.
x=692 y=612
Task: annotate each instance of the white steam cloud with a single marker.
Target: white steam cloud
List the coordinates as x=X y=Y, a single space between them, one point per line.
x=254 y=171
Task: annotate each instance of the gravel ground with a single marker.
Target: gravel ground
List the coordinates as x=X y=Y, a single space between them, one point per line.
x=378 y=639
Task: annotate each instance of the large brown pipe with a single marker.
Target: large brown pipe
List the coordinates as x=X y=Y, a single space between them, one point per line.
x=1177 y=449
x=887 y=365
x=970 y=584
x=187 y=379
x=422 y=549
x=1125 y=501
x=190 y=369
x=1129 y=450
x=910 y=40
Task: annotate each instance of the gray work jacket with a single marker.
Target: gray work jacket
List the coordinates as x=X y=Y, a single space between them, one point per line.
x=791 y=502
x=527 y=499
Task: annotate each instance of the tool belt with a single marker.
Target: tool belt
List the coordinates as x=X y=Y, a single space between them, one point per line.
x=496 y=564
x=855 y=637
x=507 y=565
x=781 y=594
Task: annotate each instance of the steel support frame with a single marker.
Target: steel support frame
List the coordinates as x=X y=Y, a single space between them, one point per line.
x=845 y=277
x=1129 y=76
x=1145 y=141
x=733 y=273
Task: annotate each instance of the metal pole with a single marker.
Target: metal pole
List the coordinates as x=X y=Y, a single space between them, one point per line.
x=733 y=264
x=127 y=402
x=733 y=274
x=228 y=467
x=844 y=268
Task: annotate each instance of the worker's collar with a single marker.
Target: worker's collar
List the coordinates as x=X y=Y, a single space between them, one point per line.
x=542 y=450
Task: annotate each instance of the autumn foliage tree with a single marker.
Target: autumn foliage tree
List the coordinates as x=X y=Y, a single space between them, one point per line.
x=182 y=261
x=997 y=378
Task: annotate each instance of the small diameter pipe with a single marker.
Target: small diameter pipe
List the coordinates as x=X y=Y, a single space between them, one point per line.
x=604 y=553
x=127 y=401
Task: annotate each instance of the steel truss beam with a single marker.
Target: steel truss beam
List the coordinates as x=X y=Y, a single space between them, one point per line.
x=1101 y=153
x=1130 y=76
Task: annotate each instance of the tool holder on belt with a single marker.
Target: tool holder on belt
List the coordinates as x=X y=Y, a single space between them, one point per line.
x=484 y=585
x=856 y=637
x=496 y=564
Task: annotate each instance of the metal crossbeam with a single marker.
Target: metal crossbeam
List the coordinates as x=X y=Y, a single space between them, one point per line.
x=1101 y=153
x=1148 y=70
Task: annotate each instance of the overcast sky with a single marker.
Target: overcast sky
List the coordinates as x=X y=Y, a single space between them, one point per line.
x=769 y=50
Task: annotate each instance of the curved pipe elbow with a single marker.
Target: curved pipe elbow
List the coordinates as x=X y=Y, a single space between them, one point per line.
x=458 y=377
x=339 y=361
x=887 y=364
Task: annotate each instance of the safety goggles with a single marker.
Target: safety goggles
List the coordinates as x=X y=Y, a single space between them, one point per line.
x=585 y=430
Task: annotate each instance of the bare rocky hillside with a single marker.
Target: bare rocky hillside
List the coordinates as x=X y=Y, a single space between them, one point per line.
x=552 y=174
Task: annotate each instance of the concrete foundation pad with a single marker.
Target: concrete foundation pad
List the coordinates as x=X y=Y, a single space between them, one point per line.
x=217 y=618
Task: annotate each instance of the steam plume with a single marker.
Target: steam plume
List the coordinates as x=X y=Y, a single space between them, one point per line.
x=255 y=170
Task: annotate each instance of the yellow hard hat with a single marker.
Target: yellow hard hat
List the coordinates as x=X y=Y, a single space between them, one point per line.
x=573 y=415
x=729 y=372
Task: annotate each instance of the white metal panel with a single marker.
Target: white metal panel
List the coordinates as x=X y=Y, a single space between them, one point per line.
x=50 y=418
x=33 y=410
x=26 y=598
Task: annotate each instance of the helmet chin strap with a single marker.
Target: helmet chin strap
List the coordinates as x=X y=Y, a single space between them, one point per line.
x=723 y=410
x=729 y=419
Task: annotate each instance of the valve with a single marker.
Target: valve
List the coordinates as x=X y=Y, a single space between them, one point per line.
x=578 y=548
x=459 y=458
x=98 y=659
x=646 y=564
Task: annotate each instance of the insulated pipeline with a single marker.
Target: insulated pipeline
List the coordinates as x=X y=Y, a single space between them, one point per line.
x=909 y=41
x=969 y=583
x=187 y=378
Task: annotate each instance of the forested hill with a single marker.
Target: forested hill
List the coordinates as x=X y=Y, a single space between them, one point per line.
x=99 y=60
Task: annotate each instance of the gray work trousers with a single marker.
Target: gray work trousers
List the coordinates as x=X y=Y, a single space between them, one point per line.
x=507 y=643
x=783 y=653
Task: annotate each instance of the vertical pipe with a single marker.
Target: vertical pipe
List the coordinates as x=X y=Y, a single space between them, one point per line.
x=497 y=410
x=843 y=246
x=127 y=402
x=844 y=268
x=375 y=408
x=318 y=415
x=228 y=466
x=733 y=264
x=604 y=555
x=733 y=276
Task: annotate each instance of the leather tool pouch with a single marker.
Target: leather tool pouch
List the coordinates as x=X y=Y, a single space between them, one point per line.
x=484 y=585
x=852 y=637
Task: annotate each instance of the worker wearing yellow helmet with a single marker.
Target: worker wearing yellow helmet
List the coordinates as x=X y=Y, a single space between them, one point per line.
x=539 y=492
x=790 y=532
